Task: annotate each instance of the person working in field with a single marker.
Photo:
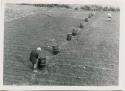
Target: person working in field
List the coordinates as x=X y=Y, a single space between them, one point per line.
x=36 y=60
x=109 y=16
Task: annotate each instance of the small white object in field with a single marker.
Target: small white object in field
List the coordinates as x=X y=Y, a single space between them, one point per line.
x=35 y=71
x=38 y=49
x=49 y=46
x=84 y=67
x=109 y=15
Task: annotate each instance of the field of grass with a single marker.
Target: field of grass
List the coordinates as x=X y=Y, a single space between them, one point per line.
x=91 y=59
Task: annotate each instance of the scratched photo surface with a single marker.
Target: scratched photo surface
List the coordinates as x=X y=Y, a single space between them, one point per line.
x=87 y=37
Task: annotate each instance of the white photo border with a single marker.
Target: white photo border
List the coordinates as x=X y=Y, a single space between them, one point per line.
x=121 y=51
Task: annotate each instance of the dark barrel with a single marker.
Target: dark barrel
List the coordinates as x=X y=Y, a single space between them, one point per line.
x=74 y=32
x=81 y=25
x=92 y=14
x=41 y=63
x=86 y=19
x=55 y=49
x=69 y=37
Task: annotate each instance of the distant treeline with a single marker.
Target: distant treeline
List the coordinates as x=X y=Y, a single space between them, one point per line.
x=49 y=5
x=84 y=7
x=99 y=8
x=53 y=5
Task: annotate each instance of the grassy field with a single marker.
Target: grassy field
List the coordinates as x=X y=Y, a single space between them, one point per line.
x=88 y=60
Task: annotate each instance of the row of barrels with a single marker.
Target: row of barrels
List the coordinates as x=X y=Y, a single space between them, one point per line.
x=69 y=36
x=56 y=48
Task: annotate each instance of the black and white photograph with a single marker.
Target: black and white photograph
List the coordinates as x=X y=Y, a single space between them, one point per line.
x=61 y=44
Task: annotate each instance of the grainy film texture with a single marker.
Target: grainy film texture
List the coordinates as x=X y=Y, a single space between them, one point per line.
x=78 y=43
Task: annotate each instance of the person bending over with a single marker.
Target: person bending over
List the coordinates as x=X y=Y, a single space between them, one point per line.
x=34 y=58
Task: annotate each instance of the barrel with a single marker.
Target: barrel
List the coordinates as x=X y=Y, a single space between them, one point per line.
x=81 y=25
x=69 y=37
x=86 y=19
x=55 y=49
x=74 y=32
x=41 y=63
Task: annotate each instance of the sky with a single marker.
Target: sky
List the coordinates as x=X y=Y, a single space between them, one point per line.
x=98 y=2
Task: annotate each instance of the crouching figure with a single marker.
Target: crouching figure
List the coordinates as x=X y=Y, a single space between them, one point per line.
x=36 y=60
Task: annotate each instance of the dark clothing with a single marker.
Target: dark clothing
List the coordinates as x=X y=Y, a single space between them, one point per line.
x=34 y=56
